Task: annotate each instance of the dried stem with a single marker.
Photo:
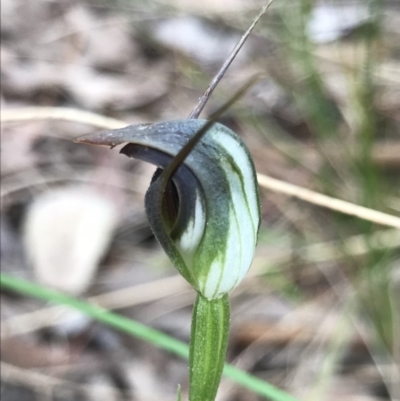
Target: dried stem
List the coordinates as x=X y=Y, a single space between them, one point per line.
x=264 y=181
x=326 y=201
x=204 y=99
x=60 y=113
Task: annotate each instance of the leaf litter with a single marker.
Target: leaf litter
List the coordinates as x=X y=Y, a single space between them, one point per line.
x=102 y=57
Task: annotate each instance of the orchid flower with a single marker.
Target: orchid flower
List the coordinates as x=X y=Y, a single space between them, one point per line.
x=203 y=207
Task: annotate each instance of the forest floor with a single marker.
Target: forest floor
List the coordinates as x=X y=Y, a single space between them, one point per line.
x=319 y=313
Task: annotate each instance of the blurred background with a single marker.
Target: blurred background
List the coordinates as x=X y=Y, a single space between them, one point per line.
x=319 y=313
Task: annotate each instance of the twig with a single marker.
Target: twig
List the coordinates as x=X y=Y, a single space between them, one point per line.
x=328 y=202
x=263 y=180
x=203 y=100
x=60 y=113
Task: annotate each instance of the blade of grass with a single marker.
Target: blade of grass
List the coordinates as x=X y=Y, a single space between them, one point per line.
x=140 y=331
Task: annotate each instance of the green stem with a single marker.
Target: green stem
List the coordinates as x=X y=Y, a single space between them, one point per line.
x=208 y=343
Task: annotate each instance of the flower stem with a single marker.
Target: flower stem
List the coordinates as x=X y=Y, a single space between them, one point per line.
x=208 y=344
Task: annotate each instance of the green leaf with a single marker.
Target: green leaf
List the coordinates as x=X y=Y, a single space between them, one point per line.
x=140 y=331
